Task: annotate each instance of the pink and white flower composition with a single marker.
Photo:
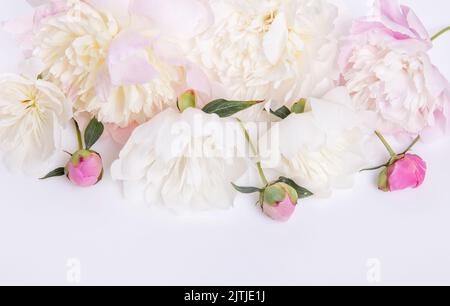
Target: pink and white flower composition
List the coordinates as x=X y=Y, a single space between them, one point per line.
x=207 y=98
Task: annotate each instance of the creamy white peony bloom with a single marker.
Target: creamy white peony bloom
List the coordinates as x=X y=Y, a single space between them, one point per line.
x=107 y=70
x=73 y=46
x=32 y=117
x=282 y=50
x=186 y=161
x=135 y=103
x=323 y=148
x=129 y=104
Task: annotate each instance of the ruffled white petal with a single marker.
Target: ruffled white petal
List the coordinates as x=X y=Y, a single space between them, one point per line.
x=33 y=115
x=280 y=50
x=323 y=148
x=184 y=161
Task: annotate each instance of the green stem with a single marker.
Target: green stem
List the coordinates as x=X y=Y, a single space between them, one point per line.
x=443 y=31
x=412 y=144
x=255 y=152
x=374 y=168
x=79 y=138
x=262 y=174
x=386 y=144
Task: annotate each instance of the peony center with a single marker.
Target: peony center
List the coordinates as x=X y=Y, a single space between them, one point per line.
x=32 y=100
x=268 y=20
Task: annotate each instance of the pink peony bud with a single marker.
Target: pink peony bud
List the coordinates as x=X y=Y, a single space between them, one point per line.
x=85 y=168
x=280 y=201
x=407 y=172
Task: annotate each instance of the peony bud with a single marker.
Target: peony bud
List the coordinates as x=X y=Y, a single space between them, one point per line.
x=187 y=100
x=299 y=107
x=85 y=168
x=406 y=172
x=279 y=201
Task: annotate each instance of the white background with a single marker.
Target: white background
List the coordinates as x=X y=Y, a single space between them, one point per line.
x=44 y=225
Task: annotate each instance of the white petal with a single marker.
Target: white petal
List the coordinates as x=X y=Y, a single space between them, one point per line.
x=276 y=39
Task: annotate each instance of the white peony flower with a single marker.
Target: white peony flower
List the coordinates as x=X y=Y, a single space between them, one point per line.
x=321 y=149
x=282 y=50
x=73 y=46
x=32 y=117
x=186 y=161
x=128 y=104
x=107 y=70
x=135 y=103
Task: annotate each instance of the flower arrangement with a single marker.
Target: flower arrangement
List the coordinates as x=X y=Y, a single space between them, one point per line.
x=213 y=98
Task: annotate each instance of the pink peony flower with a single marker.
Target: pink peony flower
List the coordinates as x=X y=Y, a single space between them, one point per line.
x=280 y=201
x=23 y=28
x=407 y=172
x=386 y=68
x=85 y=168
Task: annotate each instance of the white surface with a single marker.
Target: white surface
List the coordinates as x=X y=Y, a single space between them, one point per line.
x=43 y=225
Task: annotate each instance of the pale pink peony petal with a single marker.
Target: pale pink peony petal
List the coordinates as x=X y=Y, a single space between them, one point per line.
x=196 y=79
x=52 y=8
x=103 y=85
x=23 y=27
x=118 y=8
x=401 y=20
x=127 y=60
x=121 y=135
x=179 y=18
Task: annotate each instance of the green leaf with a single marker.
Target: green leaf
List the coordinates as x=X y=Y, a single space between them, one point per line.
x=302 y=192
x=93 y=133
x=282 y=112
x=246 y=190
x=383 y=181
x=225 y=108
x=57 y=172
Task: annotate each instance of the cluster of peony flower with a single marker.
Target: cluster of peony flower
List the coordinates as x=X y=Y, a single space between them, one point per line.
x=204 y=95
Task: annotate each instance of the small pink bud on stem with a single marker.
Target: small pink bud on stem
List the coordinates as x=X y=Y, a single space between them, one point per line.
x=279 y=201
x=403 y=170
x=406 y=172
x=85 y=168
